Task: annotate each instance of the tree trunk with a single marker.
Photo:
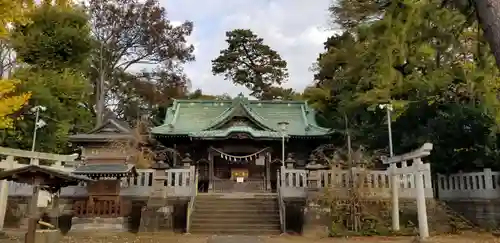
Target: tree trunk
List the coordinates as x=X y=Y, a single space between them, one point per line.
x=489 y=18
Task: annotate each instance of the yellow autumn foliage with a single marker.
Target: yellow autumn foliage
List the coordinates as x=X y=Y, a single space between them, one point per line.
x=13 y=11
x=9 y=104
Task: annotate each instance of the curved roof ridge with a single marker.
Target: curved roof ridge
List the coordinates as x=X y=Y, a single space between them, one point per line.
x=176 y=114
x=219 y=118
x=227 y=113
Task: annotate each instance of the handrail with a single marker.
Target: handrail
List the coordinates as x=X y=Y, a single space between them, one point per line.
x=281 y=202
x=194 y=193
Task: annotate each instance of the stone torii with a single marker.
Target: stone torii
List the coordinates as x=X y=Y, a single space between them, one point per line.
x=416 y=169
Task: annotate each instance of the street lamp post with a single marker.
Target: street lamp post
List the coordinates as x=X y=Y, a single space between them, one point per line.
x=395 y=177
x=283 y=126
x=388 y=108
x=39 y=123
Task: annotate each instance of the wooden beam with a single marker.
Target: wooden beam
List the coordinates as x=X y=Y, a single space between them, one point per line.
x=37 y=155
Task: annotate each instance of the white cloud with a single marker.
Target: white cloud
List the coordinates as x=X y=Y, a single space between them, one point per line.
x=294 y=28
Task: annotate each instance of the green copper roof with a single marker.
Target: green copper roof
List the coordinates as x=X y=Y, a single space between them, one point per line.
x=204 y=118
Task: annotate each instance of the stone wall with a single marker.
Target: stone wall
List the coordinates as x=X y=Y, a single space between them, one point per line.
x=484 y=213
x=17 y=213
x=316 y=219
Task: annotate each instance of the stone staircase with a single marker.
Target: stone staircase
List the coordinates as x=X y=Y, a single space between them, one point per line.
x=234 y=214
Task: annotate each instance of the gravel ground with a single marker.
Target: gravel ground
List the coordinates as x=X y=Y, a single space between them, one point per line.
x=176 y=238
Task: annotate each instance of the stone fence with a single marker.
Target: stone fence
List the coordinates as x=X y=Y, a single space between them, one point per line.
x=178 y=182
x=376 y=182
x=298 y=180
x=472 y=185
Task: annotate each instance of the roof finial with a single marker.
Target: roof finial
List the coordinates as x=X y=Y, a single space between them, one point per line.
x=240 y=99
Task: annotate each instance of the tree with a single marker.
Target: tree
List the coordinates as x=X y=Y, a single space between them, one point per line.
x=430 y=62
x=279 y=93
x=55 y=46
x=198 y=95
x=487 y=12
x=131 y=33
x=55 y=38
x=489 y=18
x=249 y=62
x=12 y=12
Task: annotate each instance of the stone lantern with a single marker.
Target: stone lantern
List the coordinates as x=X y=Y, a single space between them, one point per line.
x=290 y=162
x=313 y=171
x=159 y=179
x=187 y=161
x=154 y=215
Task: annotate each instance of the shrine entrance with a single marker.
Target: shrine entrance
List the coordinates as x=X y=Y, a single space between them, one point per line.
x=235 y=172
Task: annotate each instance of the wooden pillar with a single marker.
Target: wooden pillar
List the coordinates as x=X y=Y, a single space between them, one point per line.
x=54 y=212
x=174 y=164
x=210 y=171
x=268 y=171
x=33 y=213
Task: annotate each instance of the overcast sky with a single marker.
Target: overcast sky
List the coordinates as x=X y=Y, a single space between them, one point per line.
x=296 y=29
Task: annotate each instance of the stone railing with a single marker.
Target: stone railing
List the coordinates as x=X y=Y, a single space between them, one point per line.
x=179 y=183
x=473 y=185
x=294 y=182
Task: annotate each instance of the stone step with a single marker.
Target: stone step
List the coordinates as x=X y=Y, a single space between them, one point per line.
x=229 y=214
x=230 y=202
x=217 y=215
x=236 y=199
x=232 y=226
x=245 y=200
x=236 y=231
x=239 y=211
x=235 y=220
x=236 y=196
x=235 y=206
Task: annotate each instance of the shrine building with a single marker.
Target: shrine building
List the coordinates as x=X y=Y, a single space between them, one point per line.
x=237 y=145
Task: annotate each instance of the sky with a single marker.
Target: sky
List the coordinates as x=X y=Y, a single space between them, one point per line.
x=296 y=29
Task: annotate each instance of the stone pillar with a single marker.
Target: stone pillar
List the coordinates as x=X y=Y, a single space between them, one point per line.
x=268 y=171
x=156 y=215
x=8 y=164
x=314 y=179
x=394 y=196
x=421 y=207
x=35 y=161
x=159 y=178
x=488 y=179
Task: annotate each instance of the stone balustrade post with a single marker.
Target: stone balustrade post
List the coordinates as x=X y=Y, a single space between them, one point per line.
x=488 y=179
